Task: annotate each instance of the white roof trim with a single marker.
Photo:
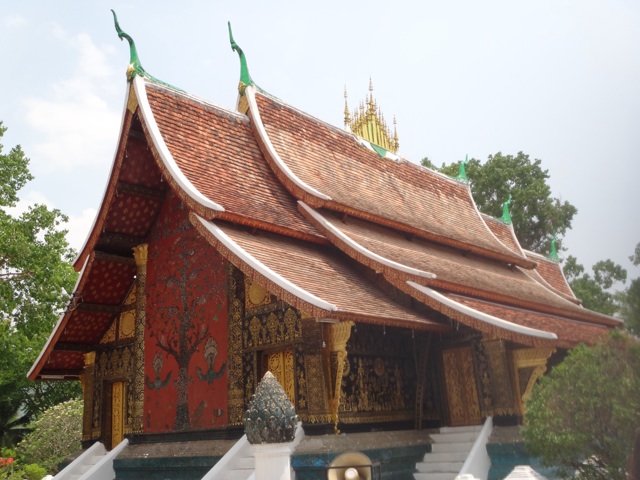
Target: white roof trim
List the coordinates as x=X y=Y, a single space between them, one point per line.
x=163 y=150
x=55 y=329
x=261 y=268
x=253 y=106
x=388 y=154
x=364 y=251
x=483 y=317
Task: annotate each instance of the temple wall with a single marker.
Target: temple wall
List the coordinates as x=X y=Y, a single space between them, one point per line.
x=185 y=372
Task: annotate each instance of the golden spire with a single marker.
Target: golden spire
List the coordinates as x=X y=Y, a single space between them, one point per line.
x=369 y=123
x=347 y=115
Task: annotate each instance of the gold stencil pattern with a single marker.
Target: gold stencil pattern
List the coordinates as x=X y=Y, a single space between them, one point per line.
x=462 y=394
x=117 y=413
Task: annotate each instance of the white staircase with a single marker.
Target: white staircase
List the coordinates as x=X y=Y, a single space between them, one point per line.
x=239 y=462
x=95 y=463
x=449 y=450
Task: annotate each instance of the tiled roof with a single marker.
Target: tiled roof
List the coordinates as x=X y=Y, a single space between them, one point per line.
x=454 y=271
x=551 y=272
x=356 y=179
x=321 y=272
x=570 y=333
x=216 y=151
x=504 y=233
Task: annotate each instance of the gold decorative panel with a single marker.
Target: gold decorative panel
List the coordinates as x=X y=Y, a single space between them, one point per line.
x=493 y=378
x=117 y=413
x=460 y=386
x=529 y=365
x=281 y=365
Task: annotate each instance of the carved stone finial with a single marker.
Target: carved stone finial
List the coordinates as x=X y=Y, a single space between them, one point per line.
x=270 y=417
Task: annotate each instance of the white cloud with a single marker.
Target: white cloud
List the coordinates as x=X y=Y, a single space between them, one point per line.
x=79 y=227
x=76 y=124
x=14 y=21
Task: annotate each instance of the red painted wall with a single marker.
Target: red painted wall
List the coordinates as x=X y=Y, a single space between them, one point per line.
x=186 y=328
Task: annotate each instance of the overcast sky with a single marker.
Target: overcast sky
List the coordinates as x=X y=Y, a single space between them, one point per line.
x=558 y=80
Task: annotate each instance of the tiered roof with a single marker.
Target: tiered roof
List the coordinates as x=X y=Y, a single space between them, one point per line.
x=335 y=229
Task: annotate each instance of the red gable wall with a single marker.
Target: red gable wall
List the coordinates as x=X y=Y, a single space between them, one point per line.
x=186 y=324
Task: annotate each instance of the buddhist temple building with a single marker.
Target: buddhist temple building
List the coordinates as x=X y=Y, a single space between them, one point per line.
x=232 y=242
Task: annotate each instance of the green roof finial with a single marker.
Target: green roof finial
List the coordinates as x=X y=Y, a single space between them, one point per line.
x=245 y=78
x=463 y=174
x=135 y=67
x=553 y=252
x=506 y=216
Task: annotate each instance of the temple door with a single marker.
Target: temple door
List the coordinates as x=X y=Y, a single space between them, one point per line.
x=281 y=365
x=460 y=387
x=118 y=390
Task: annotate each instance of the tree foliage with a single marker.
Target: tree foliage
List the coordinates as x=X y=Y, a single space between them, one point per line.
x=583 y=415
x=35 y=279
x=55 y=435
x=595 y=290
x=629 y=299
x=536 y=215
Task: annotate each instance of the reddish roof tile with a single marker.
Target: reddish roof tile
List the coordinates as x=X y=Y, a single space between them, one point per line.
x=552 y=273
x=330 y=161
x=504 y=233
x=570 y=333
x=469 y=274
x=319 y=271
x=216 y=151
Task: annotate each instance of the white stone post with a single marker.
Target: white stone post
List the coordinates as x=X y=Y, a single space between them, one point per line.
x=272 y=461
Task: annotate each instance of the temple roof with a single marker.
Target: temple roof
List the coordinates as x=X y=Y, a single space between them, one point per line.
x=325 y=166
x=322 y=221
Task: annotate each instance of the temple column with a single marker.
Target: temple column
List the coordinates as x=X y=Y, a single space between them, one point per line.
x=337 y=335
x=529 y=364
x=140 y=255
x=86 y=380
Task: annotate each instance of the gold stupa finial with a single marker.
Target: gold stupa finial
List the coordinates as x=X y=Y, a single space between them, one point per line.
x=368 y=122
x=347 y=115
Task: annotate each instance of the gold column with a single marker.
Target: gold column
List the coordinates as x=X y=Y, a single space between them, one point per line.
x=337 y=335
x=140 y=255
x=87 y=377
x=529 y=364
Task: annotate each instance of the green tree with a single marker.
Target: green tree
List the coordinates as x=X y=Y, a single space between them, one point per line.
x=629 y=299
x=595 y=290
x=536 y=215
x=36 y=278
x=583 y=415
x=56 y=434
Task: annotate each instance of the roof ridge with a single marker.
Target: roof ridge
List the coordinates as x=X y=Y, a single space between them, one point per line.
x=200 y=100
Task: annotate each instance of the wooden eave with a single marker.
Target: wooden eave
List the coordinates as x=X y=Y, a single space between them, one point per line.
x=570 y=332
x=398 y=276
x=448 y=242
x=98 y=224
x=308 y=305
x=84 y=306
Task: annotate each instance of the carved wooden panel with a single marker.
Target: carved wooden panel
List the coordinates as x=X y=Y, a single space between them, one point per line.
x=117 y=412
x=460 y=386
